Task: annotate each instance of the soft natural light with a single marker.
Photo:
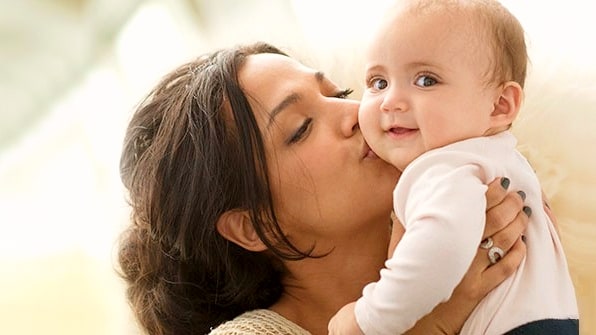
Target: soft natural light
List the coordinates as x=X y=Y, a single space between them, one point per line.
x=62 y=205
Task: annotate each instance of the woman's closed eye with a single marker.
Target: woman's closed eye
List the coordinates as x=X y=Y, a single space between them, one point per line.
x=301 y=131
x=304 y=128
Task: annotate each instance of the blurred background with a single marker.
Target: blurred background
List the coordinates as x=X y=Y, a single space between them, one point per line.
x=71 y=72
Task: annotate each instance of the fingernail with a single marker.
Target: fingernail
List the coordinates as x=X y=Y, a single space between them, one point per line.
x=523 y=237
x=505 y=182
x=527 y=210
x=546 y=204
x=522 y=194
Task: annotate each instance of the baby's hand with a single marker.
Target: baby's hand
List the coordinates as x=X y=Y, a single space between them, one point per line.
x=344 y=322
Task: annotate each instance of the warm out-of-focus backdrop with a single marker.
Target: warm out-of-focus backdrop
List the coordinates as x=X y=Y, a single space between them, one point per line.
x=72 y=70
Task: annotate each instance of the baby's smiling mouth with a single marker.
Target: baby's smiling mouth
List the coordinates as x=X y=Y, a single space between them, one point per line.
x=401 y=131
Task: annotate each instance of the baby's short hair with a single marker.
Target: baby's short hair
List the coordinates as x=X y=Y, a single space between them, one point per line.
x=502 y=30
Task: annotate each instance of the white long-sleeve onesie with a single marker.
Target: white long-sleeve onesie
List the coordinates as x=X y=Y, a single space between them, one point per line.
x=440 y=200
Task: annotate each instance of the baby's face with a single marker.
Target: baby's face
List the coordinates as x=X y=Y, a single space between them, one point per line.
x=425 y=85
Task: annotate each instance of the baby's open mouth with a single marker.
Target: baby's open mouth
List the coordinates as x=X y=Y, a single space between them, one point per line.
x=401 y=130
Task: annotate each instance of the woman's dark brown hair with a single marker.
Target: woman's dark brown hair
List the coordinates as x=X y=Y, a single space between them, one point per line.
x=193 y=151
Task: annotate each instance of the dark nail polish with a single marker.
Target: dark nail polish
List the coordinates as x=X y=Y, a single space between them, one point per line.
x=505 y=182
x=522 y=194
x=527 y=210
x=523 y=237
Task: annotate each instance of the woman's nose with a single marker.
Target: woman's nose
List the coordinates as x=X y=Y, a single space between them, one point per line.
x=349 y=122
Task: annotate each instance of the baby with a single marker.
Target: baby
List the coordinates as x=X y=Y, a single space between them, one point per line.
x=444 y=82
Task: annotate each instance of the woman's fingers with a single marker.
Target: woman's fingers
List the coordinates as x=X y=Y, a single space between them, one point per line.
x=503 y=213
x=506 y=221
x=550 y=213
x=497 y=273
x=506 y=237
x=496 y=192
x=483 y=277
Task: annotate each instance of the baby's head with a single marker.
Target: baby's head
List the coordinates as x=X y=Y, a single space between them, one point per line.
x=440 y=71
x=488 y=23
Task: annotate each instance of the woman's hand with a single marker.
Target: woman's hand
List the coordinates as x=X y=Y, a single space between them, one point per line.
x=550 y=213
x=506 y=220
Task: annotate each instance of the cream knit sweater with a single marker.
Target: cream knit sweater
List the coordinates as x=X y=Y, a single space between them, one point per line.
x=259 y=322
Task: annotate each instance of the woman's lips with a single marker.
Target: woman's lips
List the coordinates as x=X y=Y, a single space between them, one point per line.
x=371 y=154
x=367 y=152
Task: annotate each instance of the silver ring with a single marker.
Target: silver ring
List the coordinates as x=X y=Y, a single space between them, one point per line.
x=487 y=243
x=495 y=254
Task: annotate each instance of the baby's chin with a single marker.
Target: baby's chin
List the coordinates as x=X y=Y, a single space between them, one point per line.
x=400 y=160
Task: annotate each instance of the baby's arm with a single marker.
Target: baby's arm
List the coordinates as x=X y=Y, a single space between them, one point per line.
x=443 y=229
x=505 y=224
x=480 y=278
x=397 y=231
x=344 y=322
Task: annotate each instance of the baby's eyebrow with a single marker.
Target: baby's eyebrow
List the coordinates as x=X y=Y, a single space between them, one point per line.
x=423 y=64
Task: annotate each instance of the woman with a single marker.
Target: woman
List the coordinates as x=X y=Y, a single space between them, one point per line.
x=252 y=189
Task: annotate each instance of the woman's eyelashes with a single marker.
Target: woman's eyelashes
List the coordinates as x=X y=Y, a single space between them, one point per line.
x=301 y=131
x=304 y=128
x=343 y=94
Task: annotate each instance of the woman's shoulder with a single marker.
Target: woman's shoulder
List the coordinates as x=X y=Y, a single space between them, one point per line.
x=259 y=322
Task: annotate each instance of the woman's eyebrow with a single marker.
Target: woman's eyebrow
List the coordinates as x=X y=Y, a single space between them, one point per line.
x=285 y=103
x=319 y=76
x=291 y=99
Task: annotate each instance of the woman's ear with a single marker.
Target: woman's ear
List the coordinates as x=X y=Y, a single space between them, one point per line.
x=507 y=105
x=235 y=226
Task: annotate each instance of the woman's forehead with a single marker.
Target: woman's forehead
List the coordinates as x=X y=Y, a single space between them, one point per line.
x=272 y=71
x=270 y=64
x=267 y=79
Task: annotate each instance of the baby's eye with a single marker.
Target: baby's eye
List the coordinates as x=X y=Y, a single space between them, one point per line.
x=378 y=84
x=425 y=81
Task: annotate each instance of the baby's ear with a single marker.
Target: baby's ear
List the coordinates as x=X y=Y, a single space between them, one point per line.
x=235 y=226
x=507 y=105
